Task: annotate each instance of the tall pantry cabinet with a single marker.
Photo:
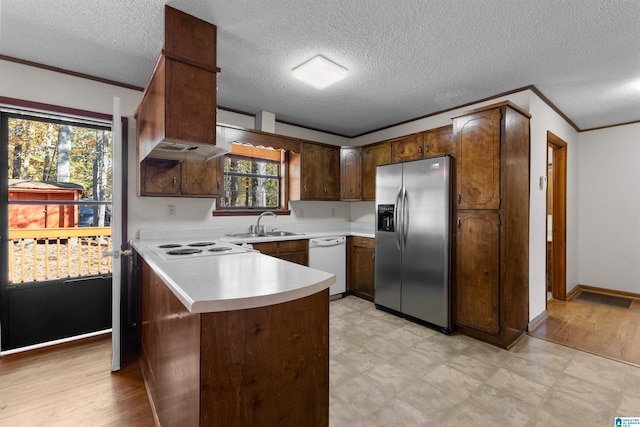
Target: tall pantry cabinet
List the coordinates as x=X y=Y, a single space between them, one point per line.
x=492 y=223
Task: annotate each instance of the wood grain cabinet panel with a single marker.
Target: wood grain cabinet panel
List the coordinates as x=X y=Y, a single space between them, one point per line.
x=159 y=177
x=406 y=148
x=319 y=173
x=360 y=261
x=491 y=286
x=202 y=178
x=179 y=103
x=478 y=162
x=331 y=172
x=351 y=173
x=296 y=251
x=372 y=156
x=173 y=178
x=440 y=142
x=477 y=267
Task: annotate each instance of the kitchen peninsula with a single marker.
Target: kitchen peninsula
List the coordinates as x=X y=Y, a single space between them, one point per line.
x=238 y=339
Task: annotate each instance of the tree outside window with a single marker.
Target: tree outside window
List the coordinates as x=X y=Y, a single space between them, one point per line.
x=251 y=183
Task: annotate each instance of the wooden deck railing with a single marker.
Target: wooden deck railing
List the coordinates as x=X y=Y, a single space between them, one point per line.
x=37 y=254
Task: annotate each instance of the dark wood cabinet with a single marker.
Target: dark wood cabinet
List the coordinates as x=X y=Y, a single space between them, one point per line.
x=159 y=177
x=360 y=267
x=174 y=178
x=202 y=178
x=318 y=168
x=372 y=156
x=440 y=142
x=351 y=173
x=477 y=267
x=296 y=251
x=406 y=148
x=478 y=162
x=331 y=172
x=492 y=234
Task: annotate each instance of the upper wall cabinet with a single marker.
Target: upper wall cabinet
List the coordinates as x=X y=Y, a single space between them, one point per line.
x=372 y=156
x=351 y=173
x=408 y=147
x=176 y=118
x=160 y=177
x=440 y=142
x=315 y=173
x=478 y=163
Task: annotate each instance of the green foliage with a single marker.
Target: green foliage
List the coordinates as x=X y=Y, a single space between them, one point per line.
x=33 y=154
x=251 y=183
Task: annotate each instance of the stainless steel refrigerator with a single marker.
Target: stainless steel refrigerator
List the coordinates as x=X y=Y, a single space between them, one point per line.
x=413 y=243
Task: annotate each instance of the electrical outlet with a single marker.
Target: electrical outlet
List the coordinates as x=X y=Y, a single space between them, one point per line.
x=172 y=210
x=333 y=212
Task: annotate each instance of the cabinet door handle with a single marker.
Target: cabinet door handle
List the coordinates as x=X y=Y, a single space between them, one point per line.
x=459 y=198
x=304 y=187
x=174 y=181
x=420 y=151
x=458 y=222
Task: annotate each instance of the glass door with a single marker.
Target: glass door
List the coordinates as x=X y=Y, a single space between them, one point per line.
x=56 y=236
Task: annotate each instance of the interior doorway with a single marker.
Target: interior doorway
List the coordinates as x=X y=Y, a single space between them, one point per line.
x=556 y=217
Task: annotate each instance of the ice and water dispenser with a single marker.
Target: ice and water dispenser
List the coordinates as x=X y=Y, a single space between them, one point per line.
x=385 y=218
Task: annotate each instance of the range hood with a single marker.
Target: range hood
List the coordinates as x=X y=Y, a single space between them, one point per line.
x=176 y=117
x=189 y=151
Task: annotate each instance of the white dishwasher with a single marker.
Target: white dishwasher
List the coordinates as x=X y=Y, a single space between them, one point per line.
x=329 y=254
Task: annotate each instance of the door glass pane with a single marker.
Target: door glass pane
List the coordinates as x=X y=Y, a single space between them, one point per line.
x=59 y=192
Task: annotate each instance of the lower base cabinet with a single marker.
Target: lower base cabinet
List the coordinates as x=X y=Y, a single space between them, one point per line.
x=296 y=251
x=264 y=366
x=360 y=267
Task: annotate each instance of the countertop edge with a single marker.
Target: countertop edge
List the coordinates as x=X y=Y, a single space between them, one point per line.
x=230 y=304
x=261 y=301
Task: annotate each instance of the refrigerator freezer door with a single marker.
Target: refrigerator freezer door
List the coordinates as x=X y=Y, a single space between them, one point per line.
x=425 y=259
x=388 y=257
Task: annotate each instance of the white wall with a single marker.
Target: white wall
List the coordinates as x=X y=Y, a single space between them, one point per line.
x=609 y=204
x=543 y=119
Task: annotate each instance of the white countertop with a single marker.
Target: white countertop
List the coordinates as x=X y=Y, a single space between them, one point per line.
x=239 y=281
x=234 y=281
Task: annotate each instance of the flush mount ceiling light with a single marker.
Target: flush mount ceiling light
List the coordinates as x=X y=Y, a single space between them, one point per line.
x=319 y=72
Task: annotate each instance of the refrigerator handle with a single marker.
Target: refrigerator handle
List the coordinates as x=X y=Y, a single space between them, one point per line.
x=397 y=213
x=405 y=217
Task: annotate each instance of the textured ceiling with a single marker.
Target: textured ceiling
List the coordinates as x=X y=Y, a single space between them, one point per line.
x=406 y=58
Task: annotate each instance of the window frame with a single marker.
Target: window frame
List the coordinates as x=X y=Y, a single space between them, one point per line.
x=251 y=151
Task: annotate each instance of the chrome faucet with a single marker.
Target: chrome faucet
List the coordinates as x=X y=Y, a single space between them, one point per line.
x=257 y=229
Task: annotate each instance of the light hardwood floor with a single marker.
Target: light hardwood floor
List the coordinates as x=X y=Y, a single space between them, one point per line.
x=71 y=385
x=605 y=330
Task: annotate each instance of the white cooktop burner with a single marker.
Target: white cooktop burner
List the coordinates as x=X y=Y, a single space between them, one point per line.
x=182 y=250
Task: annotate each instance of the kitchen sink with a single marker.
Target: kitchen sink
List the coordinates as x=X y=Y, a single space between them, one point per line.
x=267 y=234
x=282 y=233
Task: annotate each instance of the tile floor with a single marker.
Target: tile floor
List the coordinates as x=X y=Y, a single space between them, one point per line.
x=386 y=371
